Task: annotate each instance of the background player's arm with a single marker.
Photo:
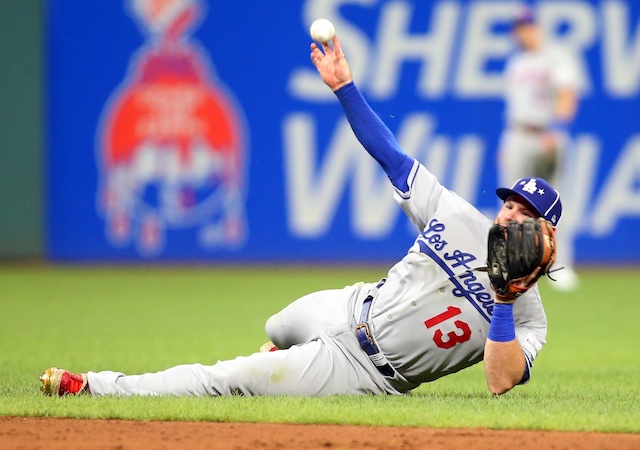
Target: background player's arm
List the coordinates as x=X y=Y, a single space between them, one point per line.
x=565 y=79
x=566 y=105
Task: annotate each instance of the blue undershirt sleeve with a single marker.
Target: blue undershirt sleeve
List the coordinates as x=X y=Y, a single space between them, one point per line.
x=375 y=137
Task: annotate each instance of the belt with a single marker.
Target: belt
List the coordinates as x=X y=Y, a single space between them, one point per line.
x=529 y=128
x=363 y=333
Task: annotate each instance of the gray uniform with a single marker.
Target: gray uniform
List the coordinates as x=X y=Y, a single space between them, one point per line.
x=532 y=80
x=430 y=318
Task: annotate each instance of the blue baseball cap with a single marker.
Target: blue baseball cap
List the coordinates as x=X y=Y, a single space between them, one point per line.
x=537 y=193
x=525 y=17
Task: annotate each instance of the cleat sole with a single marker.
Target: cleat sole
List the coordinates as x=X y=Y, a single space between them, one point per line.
x=50 y=379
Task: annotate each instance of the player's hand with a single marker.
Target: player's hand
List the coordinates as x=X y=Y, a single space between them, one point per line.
x=520 y=285
x=332 y=65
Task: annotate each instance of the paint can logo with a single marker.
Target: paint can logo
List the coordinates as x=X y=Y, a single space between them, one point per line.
x=172 y=145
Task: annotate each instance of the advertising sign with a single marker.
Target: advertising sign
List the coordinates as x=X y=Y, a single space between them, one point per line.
x=184 y=130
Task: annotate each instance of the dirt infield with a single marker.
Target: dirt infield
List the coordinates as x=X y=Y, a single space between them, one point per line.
x=51 y=434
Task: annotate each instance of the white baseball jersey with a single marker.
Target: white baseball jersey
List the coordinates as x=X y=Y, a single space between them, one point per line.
x=432 y=315
x=532 y=80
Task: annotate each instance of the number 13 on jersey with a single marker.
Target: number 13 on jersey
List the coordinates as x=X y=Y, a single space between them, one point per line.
x=461 y=334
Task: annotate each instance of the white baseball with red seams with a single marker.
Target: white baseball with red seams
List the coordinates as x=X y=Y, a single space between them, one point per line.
x=322 y=30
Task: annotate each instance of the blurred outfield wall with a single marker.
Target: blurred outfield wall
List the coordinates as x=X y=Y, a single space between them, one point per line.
x=21 y=125
x=198 y=130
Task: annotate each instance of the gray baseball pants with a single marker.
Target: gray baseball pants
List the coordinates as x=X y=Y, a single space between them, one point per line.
x=320 y=356
x=520 y=156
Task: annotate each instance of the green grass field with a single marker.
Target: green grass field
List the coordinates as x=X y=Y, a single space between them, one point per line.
x=136 y=319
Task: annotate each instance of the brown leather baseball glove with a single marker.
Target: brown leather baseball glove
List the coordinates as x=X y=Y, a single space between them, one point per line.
x=518 y=255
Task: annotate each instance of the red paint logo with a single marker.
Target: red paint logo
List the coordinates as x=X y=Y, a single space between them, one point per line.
x=171 y=143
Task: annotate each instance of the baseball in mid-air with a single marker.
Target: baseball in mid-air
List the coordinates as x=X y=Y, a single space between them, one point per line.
x=322 y=31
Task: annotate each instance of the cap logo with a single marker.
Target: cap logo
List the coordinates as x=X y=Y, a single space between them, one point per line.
x=531 y=187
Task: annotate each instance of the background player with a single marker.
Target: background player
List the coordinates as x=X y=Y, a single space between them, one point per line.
x=541 y=94
x=433 y=315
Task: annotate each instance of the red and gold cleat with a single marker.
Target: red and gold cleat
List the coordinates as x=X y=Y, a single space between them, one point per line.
x=62 y=382
x=268 y=347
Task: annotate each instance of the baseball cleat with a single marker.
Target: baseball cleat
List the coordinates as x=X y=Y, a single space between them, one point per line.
x=62 y=382
x=268 y=347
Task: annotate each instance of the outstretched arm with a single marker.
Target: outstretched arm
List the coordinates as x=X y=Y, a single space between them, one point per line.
x=504 y=362
x=372 y=133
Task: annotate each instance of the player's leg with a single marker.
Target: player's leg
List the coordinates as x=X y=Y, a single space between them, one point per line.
x=333 y=364
x=566 y=279
x=303 y=320
x=517 y=155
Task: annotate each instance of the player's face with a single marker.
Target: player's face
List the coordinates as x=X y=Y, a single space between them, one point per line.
x=515 y=208
x=528 y=36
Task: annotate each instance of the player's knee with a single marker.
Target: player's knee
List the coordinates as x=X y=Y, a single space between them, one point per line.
x=278 y=333
x=272 y=328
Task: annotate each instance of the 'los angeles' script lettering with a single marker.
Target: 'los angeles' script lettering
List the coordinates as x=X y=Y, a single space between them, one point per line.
x=466 y=284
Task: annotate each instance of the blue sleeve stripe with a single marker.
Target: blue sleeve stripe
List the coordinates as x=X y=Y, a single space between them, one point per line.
x=410 y=179
x=527 y=370
x=375 y=137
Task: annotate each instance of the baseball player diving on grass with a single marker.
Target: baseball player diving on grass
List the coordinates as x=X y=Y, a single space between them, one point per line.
x=465 y=291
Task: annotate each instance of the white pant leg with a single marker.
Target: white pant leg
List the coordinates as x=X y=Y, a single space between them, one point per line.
x=570 y=221
x=332 y=364
x=521 y=153
x=303 y=320
x=565 y=247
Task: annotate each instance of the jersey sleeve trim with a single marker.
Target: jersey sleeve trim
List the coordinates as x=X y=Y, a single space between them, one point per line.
x=410 y=179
